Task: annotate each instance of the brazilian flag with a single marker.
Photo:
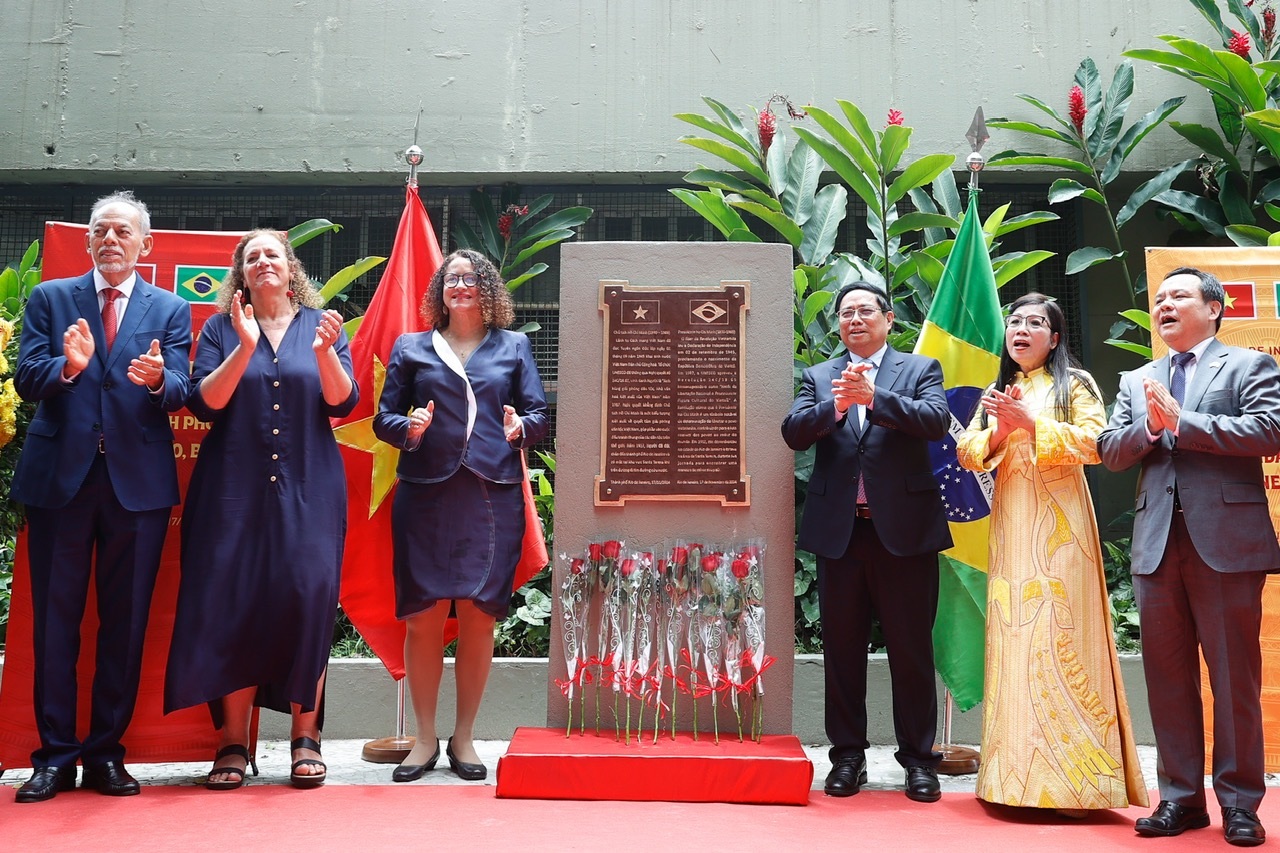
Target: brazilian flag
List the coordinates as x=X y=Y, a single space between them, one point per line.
x=964 y=331
x=199 y=284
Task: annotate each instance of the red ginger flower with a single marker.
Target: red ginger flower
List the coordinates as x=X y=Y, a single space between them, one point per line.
x=1077 y=108
x=766 y=125
x=508 y=218
x=895 y=118
x=1239 y=44
x=1268 y=25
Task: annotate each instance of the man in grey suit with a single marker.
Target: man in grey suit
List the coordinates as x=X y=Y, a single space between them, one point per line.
x=1199 y=421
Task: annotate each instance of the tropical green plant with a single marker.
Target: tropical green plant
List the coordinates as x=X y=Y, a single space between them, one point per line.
x=1098 y=145
x=511 y=234
x=337 y=285
x=1238 y=177
x=16 y=284
x=779 y=191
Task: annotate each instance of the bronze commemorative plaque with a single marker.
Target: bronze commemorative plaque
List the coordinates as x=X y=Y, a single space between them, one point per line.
x=672 y=414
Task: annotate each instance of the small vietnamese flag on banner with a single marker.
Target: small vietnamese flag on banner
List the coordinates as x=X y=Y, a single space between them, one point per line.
x=1241 y=302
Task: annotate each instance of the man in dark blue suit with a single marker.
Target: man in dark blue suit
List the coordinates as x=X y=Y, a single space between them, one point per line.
x=107 y=357
x=873 y=515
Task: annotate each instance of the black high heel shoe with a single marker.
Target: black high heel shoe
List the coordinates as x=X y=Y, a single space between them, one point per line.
x=470 y=772
x=238 y=779
x=413 y=772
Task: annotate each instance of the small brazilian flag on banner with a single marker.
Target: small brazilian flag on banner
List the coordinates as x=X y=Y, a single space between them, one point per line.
x=199 y=284
x=964 y=331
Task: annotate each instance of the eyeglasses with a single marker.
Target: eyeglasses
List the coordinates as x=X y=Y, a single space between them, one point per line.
x=861 y=313
x=468 y=279
x=1017 y=321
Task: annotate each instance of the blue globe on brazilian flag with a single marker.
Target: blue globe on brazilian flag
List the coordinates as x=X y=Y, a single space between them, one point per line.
x=199 y=284
x=964 y=331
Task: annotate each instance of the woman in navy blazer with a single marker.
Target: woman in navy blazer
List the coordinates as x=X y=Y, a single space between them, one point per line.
x=460 y=402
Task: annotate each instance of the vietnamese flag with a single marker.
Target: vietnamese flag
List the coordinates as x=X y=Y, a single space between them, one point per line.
x=367 y=593
x=1241 y=304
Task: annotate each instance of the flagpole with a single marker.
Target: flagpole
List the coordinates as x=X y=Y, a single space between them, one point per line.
x=394 y=750
x=962 y=760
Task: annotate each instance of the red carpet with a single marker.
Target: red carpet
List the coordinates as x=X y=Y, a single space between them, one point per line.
x=415 y=817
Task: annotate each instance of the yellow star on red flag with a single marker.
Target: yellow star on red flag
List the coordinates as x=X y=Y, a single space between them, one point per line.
x=359 y=436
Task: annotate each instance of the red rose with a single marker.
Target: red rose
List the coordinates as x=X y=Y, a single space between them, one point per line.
x=647 y=558
x=628 y=567
x=577 y=566
x=741 y=568
x=612 y=549
x=695 y=546
x=679 y=555
x=711 y=562
x=595 y=551
x=663 y=567
x=751 y=552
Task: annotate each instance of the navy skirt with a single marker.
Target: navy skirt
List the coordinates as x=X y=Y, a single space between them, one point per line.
x=457 y=539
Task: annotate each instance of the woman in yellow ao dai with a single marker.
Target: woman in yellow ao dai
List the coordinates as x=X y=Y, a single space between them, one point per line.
x=1055 y=730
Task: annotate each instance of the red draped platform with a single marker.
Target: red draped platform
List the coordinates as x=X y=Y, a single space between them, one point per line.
x=544 y=764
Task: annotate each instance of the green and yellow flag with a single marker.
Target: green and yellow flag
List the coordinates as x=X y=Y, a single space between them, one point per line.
x=965 y=332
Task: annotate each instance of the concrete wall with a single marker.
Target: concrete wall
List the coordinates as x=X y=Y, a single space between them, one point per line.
x=327 y=91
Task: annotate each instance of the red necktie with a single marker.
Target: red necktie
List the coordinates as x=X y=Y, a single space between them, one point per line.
x=109 y=322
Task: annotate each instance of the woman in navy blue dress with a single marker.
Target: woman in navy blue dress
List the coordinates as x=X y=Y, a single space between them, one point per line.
x=460 y=402
x=264 y=520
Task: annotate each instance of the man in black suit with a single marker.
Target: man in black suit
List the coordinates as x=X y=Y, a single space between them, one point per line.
x=106 y=356
x=874 y=517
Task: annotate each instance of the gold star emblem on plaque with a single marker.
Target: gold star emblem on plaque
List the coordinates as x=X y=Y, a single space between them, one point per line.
x=1231 y=301
x=359 y=435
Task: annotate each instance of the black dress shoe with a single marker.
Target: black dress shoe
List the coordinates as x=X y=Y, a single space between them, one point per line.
x=413 y=772
x=1242 y=827
x=1169 y=818
x=847 y=777
x=110 y=778
x=922 y=785
x=470 y=772
x=45 y=782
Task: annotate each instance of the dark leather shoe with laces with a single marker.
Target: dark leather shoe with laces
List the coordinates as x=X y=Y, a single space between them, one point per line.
x=1169 y=818
x=922 y=785
x=847 y=777
x=110 y=778
x=1242 y=827
x=45 y=782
